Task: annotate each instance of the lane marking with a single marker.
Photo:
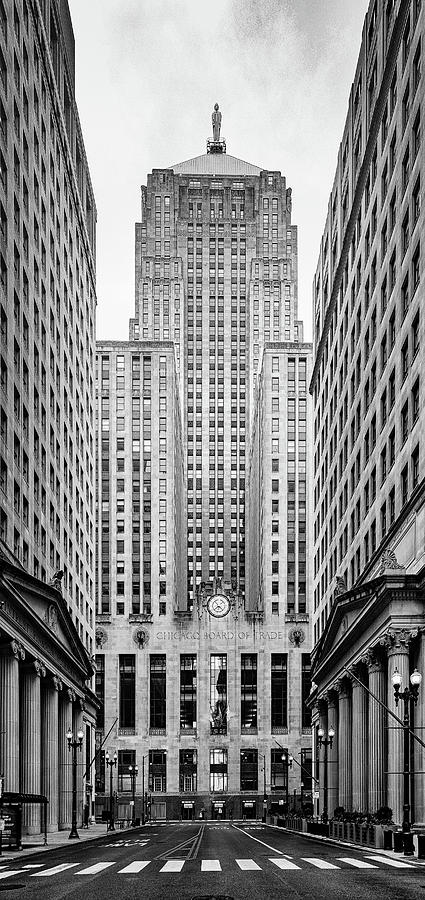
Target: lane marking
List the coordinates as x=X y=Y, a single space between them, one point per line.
x=34 y=866
x=275 y=850
x=210 y=865
x=173 y=865
x=247 y=865
x=357 y=863
x=319 y=863
x=283 y=863
x=97 y=867
x=55 y=871
x=391 y=862
x=134 y=867
x=9 y=874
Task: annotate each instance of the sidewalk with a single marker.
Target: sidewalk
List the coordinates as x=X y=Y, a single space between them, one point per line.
x=357 y=847
x=34 y=843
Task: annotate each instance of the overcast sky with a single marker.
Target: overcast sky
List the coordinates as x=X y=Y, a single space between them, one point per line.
x=148 y=73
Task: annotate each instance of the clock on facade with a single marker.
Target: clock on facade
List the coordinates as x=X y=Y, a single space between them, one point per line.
x=218 y=605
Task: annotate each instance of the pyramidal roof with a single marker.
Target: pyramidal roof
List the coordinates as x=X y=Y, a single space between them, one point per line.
x=215 y=164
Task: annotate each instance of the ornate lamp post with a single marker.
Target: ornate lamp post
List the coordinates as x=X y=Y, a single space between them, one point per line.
x=72 y=745
x=287 y=760
x=134 y=771
x=406 y=696
x=325 y=742
x=111 y=763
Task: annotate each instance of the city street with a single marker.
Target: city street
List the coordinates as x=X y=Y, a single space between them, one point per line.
x=210 y=860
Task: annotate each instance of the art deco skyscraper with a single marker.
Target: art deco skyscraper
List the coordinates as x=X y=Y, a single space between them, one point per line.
x=216 y=272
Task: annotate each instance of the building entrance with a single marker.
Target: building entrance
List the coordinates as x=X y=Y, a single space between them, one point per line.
x=158 y=810
x=249 y=810
x=218 y=809
x=187 y=811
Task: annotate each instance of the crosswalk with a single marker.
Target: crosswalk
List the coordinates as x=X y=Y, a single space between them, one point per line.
x=175 y=866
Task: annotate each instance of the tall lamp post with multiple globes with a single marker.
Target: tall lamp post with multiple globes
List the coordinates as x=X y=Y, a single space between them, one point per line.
x=134 y=771
x=325 y=743
x=408 y=694
x=287 y=761
x=74 y=744
x=111 y=763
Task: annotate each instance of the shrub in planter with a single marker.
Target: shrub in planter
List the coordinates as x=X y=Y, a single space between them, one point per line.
x=383 y=816
x=339 y=813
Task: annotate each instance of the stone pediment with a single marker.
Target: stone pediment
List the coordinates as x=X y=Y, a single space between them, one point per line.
x=343 y=616
x=36 y=614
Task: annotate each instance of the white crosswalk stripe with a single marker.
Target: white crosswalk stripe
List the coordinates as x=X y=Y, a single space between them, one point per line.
x=134 y=867
x=391 y=862
x=357 y=863
x=97 y=867
x=247 y=865
x=319 y=863
x=47 y=873
x=283 y=863
x=210 y=865
x=9 y=874
x=173 y=865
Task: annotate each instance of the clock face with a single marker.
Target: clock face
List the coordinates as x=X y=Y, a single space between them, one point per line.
x=218 y=605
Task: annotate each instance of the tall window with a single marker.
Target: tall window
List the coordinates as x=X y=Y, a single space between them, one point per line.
x=305 y=689
x=249 y=770
x=218 y=770
x=188 y=775
x=187 y=691
x=249 y=690
x=158 y=771
x=218 y=693
x=100 y=689
x=126 y=758
x=127 y=709
x=157 y=691
x=279 y=690
x=279 y=770
x=306 y=774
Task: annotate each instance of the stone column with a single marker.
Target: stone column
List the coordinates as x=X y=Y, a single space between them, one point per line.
x=333 y=753
x=377 y=743
x=31 y=743
x=419 y=752
x=398 y=657
x=65 y=761
x=323 y=723
x=9 y=714
x=49 y=749
x=344 y=745
x=359 y=754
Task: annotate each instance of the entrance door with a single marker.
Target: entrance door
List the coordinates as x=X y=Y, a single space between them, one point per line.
x=187 y=812
x=158 y=810
x=218 y=810
x=249 y=810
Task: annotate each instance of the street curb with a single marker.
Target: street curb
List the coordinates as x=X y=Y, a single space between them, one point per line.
x=335 y=843
x=41 y=848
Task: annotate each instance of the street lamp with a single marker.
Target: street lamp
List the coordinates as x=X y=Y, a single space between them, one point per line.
x=288 y=760
x=263 y=756
x=133 y=775
x=406 y=696
x=72 y=745
x=111 y=763
x=325 y=742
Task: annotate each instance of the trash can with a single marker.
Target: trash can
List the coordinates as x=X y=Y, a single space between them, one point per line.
x=421 y=846
x=388 y=839
x=398 y=841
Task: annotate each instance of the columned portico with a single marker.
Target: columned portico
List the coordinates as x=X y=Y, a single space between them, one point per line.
x=30 y=749
x=398 y=658
x=359 y=743
x=49 y=748
x=332 y=698
x=65 y=768
x=9 y=714
x=376 y=732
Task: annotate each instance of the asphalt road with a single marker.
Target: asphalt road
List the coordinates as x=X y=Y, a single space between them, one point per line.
x=202 y=861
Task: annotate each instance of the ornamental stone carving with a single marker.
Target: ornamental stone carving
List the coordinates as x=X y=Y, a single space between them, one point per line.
x=57 y=684
x=340 y=585
x=17 y=650
x=51 y=617
x=398 y=640
x=296 y=636
x=141 y=638
x=389 y=561
x=100 y=637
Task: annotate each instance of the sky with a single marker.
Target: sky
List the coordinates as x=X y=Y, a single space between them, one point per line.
x=148 y=73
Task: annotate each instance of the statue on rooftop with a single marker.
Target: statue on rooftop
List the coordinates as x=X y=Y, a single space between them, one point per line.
x=216 y=122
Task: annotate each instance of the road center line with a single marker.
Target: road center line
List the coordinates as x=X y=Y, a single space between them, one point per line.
x=275 y=850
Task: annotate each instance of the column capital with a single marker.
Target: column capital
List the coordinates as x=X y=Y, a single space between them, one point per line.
x=56 y=682
x=17 y=650
x=331 y=697
x=39 y=668
x=373 y=659
x=397 y=640
x=70 y=694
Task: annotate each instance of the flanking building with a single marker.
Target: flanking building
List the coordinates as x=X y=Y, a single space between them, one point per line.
x=369 y=424
x=202 y=668
x=47 y=360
